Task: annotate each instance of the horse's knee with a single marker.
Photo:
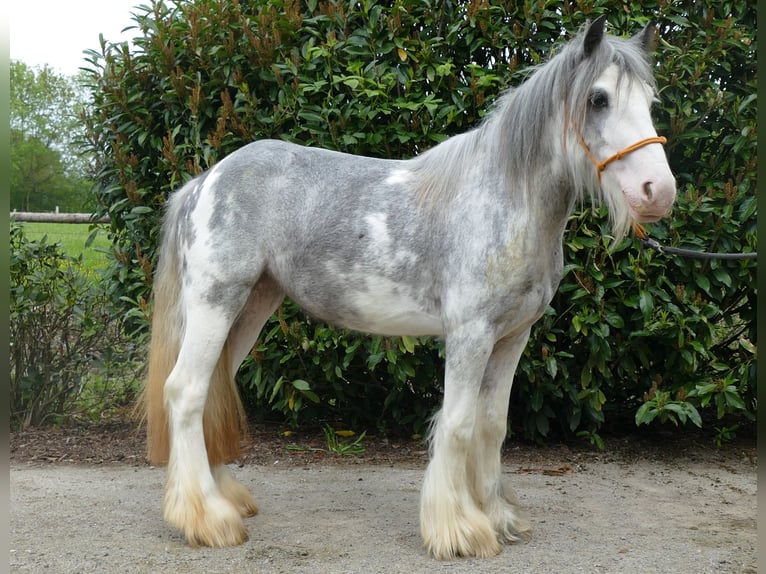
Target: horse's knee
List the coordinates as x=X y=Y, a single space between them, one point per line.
x=490 y=434
x=453 y=433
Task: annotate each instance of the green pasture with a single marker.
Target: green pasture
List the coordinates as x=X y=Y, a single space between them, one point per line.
x=73 y=237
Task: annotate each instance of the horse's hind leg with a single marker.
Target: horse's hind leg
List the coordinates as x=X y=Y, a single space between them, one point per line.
x=492 y=490
x=193 y=500
x=264 y=299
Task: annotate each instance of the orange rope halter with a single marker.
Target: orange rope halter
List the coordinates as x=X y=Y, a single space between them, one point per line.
x=601 y=165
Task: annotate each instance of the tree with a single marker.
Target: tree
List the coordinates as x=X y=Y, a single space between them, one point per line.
x=35 y=169
x=383 y=78
x=48 y=168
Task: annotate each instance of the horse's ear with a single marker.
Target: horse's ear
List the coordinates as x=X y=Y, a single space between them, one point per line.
x=647 y=38
x=594 y=35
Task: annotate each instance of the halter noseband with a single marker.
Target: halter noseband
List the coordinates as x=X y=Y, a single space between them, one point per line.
x=601 y=165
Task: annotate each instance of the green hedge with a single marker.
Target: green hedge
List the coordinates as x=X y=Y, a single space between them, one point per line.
x=629 y=329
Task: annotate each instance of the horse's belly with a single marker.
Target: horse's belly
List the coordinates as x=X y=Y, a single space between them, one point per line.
x=372 y=305
x=388 y=311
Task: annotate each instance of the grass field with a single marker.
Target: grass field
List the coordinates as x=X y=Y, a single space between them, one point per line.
x=73 y=237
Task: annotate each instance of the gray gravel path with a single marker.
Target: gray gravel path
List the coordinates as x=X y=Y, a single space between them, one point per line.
x=605 y=516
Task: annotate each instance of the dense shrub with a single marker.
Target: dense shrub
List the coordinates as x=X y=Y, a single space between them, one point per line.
x=628 y=329
x=62 y=328
x=306 y=369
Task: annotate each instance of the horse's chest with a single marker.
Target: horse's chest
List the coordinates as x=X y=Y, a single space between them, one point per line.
x=524 y=305
x=521 y=291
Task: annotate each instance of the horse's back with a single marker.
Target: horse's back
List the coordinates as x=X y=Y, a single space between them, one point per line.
x=285 y=182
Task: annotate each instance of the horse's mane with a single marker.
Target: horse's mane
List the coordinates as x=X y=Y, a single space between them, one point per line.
x=518 y=130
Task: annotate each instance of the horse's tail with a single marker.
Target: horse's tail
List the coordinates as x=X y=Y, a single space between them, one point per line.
x=224 y=416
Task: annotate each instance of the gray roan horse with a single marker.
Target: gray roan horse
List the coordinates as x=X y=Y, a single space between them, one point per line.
x=462 y=242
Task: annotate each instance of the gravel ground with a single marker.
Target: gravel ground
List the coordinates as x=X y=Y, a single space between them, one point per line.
x=635 y=507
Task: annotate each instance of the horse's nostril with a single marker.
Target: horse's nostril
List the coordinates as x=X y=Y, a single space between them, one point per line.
x=648 y=190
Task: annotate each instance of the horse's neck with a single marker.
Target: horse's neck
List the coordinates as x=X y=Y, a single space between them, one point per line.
x=479 y=168
x=550 y=202
x=532 y=165
x=541 y=192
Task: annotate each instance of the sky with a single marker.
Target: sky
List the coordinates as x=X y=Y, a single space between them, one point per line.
x=56 y=32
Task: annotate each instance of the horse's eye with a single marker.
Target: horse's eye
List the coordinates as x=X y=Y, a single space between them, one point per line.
x=599 y=99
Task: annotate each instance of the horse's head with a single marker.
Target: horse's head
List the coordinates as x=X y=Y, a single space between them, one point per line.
x=617 y=133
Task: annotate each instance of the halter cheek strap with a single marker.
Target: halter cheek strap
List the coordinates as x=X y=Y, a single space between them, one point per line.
x=601 y=165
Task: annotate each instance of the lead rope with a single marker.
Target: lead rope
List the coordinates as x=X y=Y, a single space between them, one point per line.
x=647 y=241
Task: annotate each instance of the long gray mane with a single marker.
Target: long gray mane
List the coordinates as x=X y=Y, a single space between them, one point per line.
x=532 y=126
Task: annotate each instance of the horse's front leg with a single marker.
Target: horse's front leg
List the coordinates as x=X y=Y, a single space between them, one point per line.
x=492 y=490
x=451 y=522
